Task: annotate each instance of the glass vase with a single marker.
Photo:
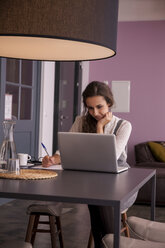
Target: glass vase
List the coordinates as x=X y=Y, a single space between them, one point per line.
x=8 y=147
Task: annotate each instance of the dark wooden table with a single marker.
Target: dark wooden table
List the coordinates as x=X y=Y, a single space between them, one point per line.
x=85 y=187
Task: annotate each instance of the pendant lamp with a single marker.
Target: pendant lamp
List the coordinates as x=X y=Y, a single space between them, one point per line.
x=58 y=30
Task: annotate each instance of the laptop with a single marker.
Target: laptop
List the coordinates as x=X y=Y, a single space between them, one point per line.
x=89 y=152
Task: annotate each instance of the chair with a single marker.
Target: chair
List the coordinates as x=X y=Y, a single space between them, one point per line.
x=131 y=243
x=124 y=229
x=53 y=212
x=146 y=229
x=146 y=233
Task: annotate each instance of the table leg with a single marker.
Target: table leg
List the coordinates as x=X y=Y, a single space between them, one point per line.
x=117 y=226
x=153 y=197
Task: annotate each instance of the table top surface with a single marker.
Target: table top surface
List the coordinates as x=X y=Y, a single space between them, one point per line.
x=79 y=187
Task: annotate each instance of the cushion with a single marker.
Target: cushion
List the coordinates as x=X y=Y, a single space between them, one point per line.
x=47 y=208
x=146 y=229
x=131 y=243
x=157 y=150
x=143 y=153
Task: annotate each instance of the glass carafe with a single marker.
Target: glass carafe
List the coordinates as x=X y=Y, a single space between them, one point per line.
x=8 y=147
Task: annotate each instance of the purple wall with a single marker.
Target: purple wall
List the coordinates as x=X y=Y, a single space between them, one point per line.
x=140 y=59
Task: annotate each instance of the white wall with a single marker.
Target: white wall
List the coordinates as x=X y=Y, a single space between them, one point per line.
x=46 y=107
x=47 y=103
x=85 y=77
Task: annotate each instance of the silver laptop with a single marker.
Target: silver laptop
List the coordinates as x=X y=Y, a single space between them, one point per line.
x=89 y=152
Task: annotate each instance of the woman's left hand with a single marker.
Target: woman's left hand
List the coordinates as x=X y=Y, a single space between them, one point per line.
x=102 y=122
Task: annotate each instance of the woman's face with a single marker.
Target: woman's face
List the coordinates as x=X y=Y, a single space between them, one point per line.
x=97 y=106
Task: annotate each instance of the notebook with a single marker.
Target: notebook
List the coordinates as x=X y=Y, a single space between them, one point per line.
x=89 y=152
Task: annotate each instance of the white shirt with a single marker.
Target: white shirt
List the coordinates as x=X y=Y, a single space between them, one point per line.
x=122 y=134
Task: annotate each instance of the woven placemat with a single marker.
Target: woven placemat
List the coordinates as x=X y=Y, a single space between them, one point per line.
x=33 y=174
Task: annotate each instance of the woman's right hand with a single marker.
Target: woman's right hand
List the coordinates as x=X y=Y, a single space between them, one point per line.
x=103 y=121
x=51 y=160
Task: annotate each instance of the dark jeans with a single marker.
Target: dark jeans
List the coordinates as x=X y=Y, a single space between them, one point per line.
x=102 y=219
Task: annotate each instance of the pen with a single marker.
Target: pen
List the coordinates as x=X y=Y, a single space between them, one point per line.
x=45 y=148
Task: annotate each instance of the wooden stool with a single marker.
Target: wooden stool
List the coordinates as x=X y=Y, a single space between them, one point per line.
x=124 y=229
x=53 y=212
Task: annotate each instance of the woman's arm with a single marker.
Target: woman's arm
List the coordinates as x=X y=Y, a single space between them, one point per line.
x=122 y=137
x=77 y=125
x=56 y=159
x=102 y=122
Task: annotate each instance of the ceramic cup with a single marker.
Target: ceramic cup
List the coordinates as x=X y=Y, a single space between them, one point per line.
x=13 y=166
x=23 y=158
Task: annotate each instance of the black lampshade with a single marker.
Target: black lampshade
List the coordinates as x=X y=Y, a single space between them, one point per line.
x=61 y=30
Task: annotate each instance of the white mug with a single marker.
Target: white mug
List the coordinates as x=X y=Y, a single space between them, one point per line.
x=23 y=158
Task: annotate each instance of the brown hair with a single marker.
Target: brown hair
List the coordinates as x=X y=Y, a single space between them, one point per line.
x=95 y=88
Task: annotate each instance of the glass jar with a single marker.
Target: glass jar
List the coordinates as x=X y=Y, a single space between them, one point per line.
x=8 y=147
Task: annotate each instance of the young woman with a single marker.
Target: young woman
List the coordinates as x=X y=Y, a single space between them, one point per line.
x=98 y=118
